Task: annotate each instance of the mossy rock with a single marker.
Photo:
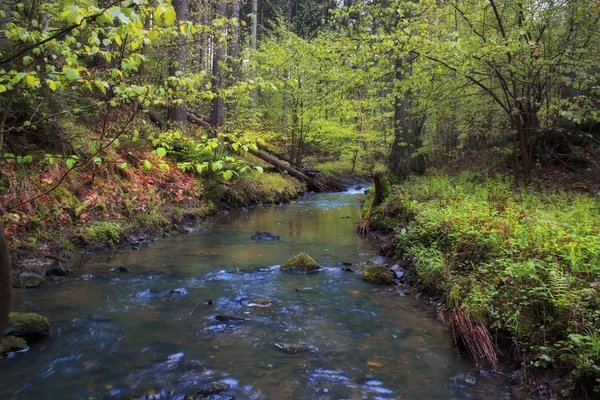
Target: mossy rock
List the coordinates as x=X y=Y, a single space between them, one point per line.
x=378 y=274
x=301 y=262
x=27 y=324
x=31 y=280
x=13 y=343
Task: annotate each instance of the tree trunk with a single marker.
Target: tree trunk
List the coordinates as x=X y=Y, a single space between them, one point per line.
x=217 y=116
x=177 y=65
x=254 y=23
x=5 y=283
x=5 y=6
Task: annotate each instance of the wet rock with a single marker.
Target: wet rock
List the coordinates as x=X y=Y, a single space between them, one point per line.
x=211 y=389
x=379 y=260
x=377 y=274
x=301 y=262
x=398 y=271
x=27 y=324
x=13 y=343
x=178 y=291
x=229 y=318
x=99 y=319
x=347 y=264
x=305 y=289
x=121 y=269
x=260 y=302
x=264 y=236
x=31 y=280
x=294 y=348
x=347 y=268
x=469 y=378
x=57 y=269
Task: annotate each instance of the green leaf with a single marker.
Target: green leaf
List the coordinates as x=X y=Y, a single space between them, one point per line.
x=170 y=16
x=161 y=151
x=71 y=74
x=259 y=169
x=124 y=165
x=228 y=174
x=147 y=165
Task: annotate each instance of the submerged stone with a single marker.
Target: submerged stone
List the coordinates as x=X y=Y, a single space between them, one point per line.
x=260 y=302
x=57 y=269
x=212 y=388
x=27 y=324
x=378 y=274
x=120 y=269
x=229 y=318
x=301 y=262
x=294 y=347
x=31 y=280
x=13 y=343
x=178 y=291
x=264 y=236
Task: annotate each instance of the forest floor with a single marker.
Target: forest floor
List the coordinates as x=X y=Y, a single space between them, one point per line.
x=515 y=270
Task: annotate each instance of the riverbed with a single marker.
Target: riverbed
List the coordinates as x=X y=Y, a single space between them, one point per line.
x=124 y=335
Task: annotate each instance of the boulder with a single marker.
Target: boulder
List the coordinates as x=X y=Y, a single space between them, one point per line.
x=57 y=269
x=178 y=291
x=264 y=236
x=378 y=274
x=294 y=347
x=31 y=280
x=301 y=262
x=27 y=324
x=13 y=343
x=120 y=269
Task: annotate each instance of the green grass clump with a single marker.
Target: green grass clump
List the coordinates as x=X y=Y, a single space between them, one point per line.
x=525 y=264
x=106 y=231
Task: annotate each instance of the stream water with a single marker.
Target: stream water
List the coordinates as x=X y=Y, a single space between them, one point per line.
x=117 y=336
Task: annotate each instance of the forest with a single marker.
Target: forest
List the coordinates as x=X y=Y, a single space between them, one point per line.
x=477 y=122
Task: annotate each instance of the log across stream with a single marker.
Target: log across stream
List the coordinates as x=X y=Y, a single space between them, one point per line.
x=326 y=335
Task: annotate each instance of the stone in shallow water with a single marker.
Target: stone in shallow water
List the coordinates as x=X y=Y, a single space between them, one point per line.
x=120 y=269
x=178 y=291
x=301 y=262
x=294 y=347
x=229 y=318
x=57 y=269
x=13 y=343
x=31 y=280
x=378 y=274
x=261 y=302
x=27 y=324
x=211 y=389
x=264 y=236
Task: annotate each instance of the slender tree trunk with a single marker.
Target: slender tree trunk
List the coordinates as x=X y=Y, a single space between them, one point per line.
x=217 y=116
x=254 y=23
x=6 y=6
x=5 y=283
x=177 y=64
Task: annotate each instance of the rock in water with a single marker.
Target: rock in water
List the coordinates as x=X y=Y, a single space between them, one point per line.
x=13 y=343
x=378 y=274
x=31 y=280
x=57 y=269
x=398 y=271
x=178 y=291
x=301 y=262
x=213 y=388
x=264 y=236
x=294 y=347
x=27 y=324
x=120 y=269
x=260 y=302
x=379 y=260
x=229 y=318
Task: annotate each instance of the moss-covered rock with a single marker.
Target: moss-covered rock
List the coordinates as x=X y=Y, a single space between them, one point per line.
x=260 y=302
x=378 y=274
x=13 y=343
x=301 y=262
x=31 y=280
x=27 y=324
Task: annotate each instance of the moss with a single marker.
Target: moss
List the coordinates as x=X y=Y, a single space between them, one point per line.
x=27 y=323
x=301 y=262
x=13 y=343
x=102 y=232
x=378 y=274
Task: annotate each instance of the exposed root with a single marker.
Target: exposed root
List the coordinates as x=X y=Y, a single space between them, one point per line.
x=477 y=338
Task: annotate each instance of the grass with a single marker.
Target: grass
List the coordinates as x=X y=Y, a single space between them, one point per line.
x=255 y=188
x=344 y=168
x=522 y=264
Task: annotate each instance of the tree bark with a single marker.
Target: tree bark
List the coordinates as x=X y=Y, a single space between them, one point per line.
x=177 y=64
x=254 y=23
x=217 y=116
x=5 y=283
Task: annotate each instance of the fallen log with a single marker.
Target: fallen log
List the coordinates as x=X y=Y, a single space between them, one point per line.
x=312 y=183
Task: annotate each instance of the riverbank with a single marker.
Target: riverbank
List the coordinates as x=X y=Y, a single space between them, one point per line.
x=95 y=208
x=515 y=270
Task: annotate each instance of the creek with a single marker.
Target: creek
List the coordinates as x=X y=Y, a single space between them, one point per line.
x=120 y=335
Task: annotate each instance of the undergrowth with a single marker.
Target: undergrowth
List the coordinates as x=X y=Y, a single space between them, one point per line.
x=524 y=264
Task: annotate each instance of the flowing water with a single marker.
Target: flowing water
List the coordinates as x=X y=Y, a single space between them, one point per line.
x=118 y=336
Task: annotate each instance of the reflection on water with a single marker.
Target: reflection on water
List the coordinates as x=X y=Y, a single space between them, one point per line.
x=122 y=335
